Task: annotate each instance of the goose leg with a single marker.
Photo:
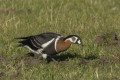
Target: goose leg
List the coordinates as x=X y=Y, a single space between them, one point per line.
x=46 y=57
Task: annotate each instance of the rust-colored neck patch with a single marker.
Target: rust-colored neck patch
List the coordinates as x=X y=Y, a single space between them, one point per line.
x=62 y=45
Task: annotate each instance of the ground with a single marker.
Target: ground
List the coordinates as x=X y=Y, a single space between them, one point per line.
x=97 y=22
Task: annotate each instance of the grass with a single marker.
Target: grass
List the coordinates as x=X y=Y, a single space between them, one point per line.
x=86 y=18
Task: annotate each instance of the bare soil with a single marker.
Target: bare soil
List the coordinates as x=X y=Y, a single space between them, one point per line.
x=107 y=39
x=7 y=11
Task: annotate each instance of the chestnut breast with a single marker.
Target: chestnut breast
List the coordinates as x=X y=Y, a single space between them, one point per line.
x=62 y=45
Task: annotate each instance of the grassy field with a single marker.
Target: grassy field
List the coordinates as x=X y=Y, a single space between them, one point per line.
x=86 y=18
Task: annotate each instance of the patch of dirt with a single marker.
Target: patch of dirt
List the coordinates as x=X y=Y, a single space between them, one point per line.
x=2 y=58
x=110 y=41
x=23 y=11
x=110 y=78
x=29 y=59
x=83 y=62
x=7 y=11
x=108 y=60
x=16 y=75
x=107 y=39
x=13 y=11
x=2 y=74
x=100 y=61
x=3 y=61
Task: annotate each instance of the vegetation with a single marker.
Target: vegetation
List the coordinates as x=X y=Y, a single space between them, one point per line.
x=86 y=18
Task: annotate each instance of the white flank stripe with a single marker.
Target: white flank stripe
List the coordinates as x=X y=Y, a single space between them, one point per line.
x=47 y=43
x=31 y=49
x=39 y=51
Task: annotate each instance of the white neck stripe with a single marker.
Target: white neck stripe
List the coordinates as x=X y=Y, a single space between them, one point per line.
x=56 y=43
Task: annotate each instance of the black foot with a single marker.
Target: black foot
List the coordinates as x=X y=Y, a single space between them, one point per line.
x=30 y=54
x=48 y=59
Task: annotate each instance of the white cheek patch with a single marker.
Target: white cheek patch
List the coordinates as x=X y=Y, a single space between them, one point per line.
x=79 y=42
x=72 y=40
x=75 y=39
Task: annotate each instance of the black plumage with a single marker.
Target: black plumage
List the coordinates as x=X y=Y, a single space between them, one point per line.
x=35 y=42
x=48 y=44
